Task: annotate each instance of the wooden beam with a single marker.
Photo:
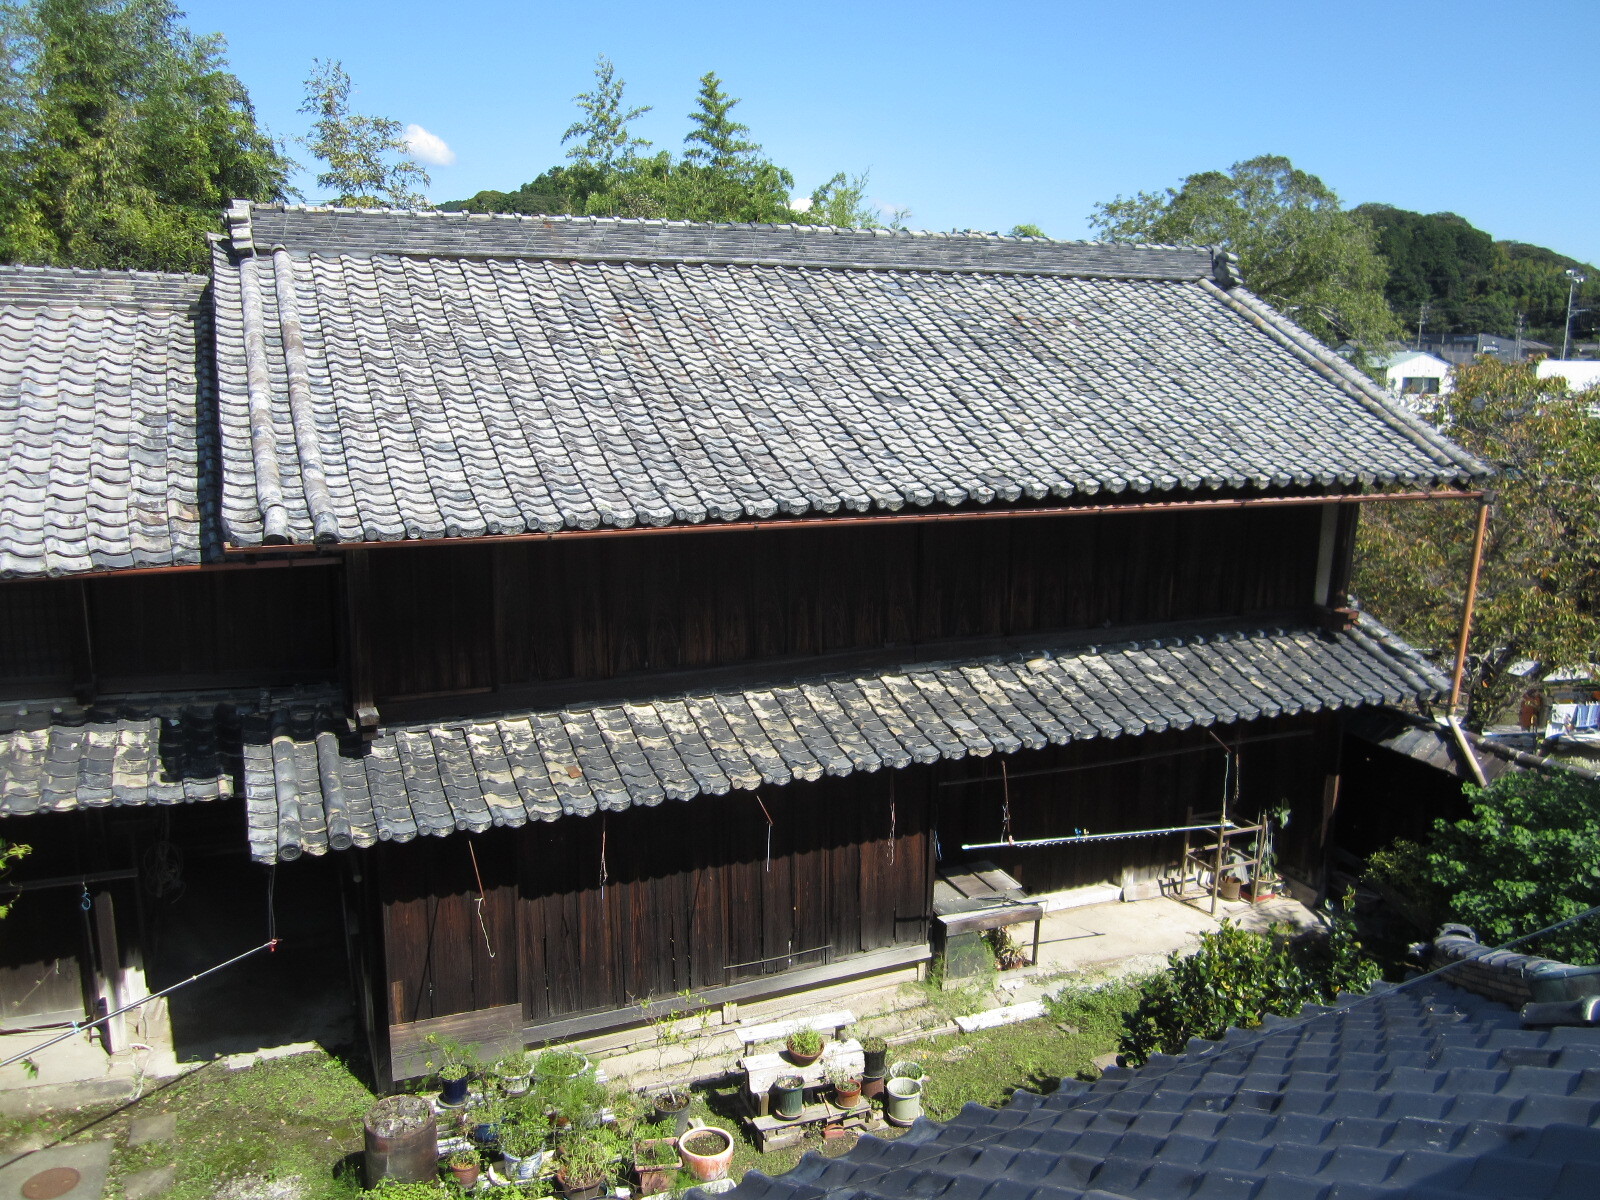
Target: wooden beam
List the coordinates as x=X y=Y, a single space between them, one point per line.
x=501 y=1029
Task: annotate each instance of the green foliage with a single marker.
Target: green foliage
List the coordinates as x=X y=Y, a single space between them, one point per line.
x=606 y=143
x=1027 y=231
x=1527 y=857
x=1299 y=250
x=450 y=1059
x=10 y=852
x=1236 y=978
x=368 y=162
x=585 y=1158
x=1472 y=283
x=721 y=175
x=391 y=1189
x=1541 y=564
x=122 y=137
x=805 y=1042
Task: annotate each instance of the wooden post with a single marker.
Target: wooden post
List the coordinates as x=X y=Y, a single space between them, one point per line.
x=361 y=708
x=1472 y=600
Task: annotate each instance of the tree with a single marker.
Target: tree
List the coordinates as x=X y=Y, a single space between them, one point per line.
x=1541 y=563
x=606 y=143
x=842 y=201
x=122 y=137
x=1027 y=231
x=369 y=165
x=1527 y=858
x=721 y=175
x=1299 y=250
x=715 y=140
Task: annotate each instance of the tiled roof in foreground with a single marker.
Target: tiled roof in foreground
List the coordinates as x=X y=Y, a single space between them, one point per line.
x=1426 y=1092
x=101 y=374
x=307 y=789
x=389 y=375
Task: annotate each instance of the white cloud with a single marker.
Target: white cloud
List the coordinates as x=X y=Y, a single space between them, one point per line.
x=800 y=204
x=428 y=147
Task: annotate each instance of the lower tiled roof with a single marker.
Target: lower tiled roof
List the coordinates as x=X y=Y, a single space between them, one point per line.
x=1425 y=1092
x=309 y=789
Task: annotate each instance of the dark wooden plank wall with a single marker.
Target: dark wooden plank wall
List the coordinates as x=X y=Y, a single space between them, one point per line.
x=609 y=607
x=1099 y=792
x=688 y=896
x=149 y=633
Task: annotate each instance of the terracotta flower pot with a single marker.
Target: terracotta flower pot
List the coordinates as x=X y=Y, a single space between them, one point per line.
x=847 y=1098
x=801 y=1060
x=706 y=1151
x=466 y=1174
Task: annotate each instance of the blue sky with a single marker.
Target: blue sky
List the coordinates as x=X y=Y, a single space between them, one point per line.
x=982 y=116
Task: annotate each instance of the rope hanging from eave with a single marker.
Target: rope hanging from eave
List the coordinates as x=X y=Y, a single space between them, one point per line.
x=768 y=816
x=478 y=900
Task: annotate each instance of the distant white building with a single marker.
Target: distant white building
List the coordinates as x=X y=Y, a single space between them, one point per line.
x=1579 y=373
x=1416 y=374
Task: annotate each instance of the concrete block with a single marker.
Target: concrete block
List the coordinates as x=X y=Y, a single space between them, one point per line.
x=159 y=1128
x=142 y=1185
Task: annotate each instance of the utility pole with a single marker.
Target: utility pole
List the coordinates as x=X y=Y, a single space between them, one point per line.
x=1520 y=317
x=1422 y=320
x=1578 y=280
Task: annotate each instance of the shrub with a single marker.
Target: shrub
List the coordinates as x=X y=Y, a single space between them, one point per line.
x=1236 y=978
x=1527 y=857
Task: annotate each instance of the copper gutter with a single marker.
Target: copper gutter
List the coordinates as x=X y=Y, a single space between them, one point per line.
x=832 y=522
x=1472 y=601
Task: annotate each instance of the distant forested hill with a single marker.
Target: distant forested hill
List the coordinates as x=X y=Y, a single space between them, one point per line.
x=1473 y=283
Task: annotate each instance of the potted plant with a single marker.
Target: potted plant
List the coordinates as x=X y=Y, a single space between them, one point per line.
x=788 y=1097
x=513 y=1072
x=672 y=1105
x=454 y=1064
x=583 y=1166
x=805 y=1047
x=906 y=1070
x=902 y=1100
x=573 y=1101
x=559 y=1062
x=707 y=1151
x=464 y=1167
x=846 y=1089
x=522 y=1146
x=655 y=1164
x=874 y=1053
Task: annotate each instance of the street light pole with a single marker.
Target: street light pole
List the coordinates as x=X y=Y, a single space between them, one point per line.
x=1578 y=280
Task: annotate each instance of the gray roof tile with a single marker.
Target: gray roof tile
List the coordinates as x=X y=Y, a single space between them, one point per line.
x=101 y=378
x=307 y=788
x=1343 y=1101
x=456 y=376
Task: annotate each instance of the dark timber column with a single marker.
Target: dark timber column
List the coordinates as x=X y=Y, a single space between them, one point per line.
x=360 y=706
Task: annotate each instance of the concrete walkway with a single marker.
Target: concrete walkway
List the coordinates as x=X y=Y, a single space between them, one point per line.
x=1107 y=941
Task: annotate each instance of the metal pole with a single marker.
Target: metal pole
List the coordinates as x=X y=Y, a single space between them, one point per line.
x=1472 y=600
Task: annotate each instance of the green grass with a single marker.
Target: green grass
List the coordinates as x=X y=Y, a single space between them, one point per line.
x=293 y=1118
x=300 y=1118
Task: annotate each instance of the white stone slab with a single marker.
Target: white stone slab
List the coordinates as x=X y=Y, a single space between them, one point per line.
x=1008 y=1015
